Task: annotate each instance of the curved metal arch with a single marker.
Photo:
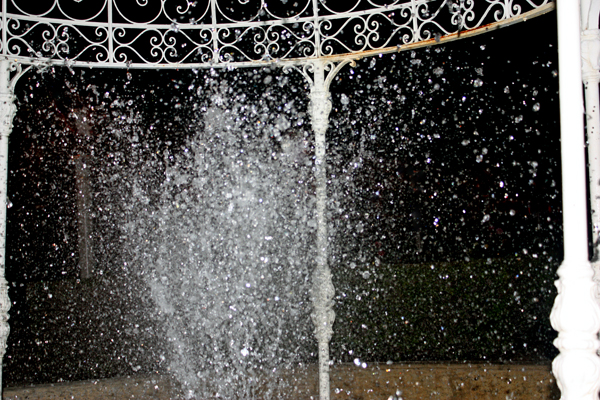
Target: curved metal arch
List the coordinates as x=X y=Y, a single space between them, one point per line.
x=177 y=34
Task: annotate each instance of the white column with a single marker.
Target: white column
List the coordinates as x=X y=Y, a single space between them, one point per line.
x=322 y=290
x=7 y=112
x=576 y=314
x=590 y=81
x=590 y=54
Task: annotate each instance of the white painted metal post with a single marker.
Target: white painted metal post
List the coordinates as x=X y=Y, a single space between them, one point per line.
x=576 y=314
x=322 y=291
x=7 y=113
x=593 y=139
x=590 y=54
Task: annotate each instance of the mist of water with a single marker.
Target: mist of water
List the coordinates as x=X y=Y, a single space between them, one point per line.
x=225 y=244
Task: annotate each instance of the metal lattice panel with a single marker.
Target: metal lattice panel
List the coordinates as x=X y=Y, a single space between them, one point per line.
x=201 y=33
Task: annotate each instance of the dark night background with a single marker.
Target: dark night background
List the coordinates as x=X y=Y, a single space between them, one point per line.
x=447 y=156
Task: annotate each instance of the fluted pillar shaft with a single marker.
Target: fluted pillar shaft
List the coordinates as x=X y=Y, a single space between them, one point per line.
x=7 y=113
x=590 y=65
x=322 y=290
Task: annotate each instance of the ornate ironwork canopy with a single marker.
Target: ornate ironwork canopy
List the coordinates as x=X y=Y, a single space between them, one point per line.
x=209 y=33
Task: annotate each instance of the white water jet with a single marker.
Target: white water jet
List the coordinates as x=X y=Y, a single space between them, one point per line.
x=225 y=242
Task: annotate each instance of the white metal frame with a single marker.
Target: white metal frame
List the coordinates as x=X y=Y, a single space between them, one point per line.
x=317 y=41
x=576 y=314
x=201 y=33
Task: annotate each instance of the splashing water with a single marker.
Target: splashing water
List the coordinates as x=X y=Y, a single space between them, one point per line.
x=226 y=243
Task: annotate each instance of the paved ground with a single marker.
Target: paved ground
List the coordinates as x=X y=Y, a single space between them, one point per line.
x=415 y=381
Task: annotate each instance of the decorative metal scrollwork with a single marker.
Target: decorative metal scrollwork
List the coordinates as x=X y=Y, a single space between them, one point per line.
x=176 y=33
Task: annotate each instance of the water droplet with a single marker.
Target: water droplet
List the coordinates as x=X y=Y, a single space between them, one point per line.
x=536 y=107
x=512 y=212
